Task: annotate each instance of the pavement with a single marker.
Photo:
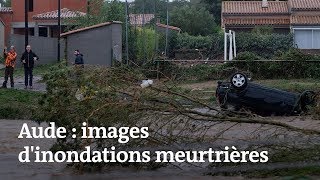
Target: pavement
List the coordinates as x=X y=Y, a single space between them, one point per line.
x=19 y=83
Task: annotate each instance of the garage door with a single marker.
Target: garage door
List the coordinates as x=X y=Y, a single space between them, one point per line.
x=307 y=39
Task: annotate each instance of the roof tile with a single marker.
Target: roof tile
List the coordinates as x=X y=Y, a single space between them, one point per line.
x=254 y=7
x=305 y=20
x=169 y=27
x=304 y=4
x=257 y=21
x=65 y=13
x=89 y=27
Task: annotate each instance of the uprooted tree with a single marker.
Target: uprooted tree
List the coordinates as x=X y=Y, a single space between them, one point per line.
x=105 y=97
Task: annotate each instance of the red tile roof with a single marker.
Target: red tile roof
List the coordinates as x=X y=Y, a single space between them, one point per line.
x=304 y=4
x=305 y=20
x=90 y=27
x=256 y=21
x=5 y=10
x=169 y=27
x=65 y=13
x=137 y=19
x=252 y=13
x=254 y=7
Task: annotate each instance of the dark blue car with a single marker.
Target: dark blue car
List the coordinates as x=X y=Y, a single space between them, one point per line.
x=240 y=93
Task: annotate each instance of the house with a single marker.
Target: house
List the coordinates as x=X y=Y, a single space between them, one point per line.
x=42 y=16
x=45 y=23
x=140 y=19
x=305 y=23
x=144 y=19
x=300 y=17
x=6 y=16
x=246 y=15
x=100 y=44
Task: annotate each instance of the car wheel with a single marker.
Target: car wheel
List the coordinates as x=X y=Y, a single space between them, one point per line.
x=239 y=81
x=308 y=98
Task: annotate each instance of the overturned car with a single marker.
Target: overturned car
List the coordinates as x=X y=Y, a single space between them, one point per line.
x=240 y=93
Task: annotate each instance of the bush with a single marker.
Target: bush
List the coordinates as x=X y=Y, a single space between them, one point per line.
x=264 y=45
x=145 y=44
x=247 y=56
x=186 y=41
x=172 y=43
x=296 y=67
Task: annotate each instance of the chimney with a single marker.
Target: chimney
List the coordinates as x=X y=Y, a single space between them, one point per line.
x=264 y=3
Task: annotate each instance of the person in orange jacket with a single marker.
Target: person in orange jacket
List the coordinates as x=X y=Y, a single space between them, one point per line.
x=10 y=62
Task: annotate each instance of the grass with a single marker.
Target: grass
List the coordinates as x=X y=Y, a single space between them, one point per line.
x=18 y=104
x=286 y=156
x=288 y=174
x=206 y=90
x=294 y=85
x=296 y=154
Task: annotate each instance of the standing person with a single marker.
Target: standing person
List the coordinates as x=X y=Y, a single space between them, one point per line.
x=79 y=65
x=10 y=62
x=28 y=58
x=79 y=58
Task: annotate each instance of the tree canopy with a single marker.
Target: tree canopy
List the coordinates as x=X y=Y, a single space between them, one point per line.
x=193 y=20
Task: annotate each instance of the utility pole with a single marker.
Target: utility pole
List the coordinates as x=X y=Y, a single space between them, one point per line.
x=59 y=26
x=26 y=28
x=167 y=30
x=144 y=32
x=127 y=39
x=155 y=29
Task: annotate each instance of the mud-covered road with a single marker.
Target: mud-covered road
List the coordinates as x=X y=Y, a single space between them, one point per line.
x=237 y=134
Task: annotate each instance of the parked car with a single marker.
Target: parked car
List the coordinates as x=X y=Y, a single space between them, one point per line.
x=239 y=93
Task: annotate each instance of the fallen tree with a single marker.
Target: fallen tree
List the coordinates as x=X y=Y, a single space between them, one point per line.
x=115 y=97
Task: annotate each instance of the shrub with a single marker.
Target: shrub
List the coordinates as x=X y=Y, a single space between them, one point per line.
x=186 y=41
x=264 y=45
x=145 y=44
x=264 y=30
x=247 y=56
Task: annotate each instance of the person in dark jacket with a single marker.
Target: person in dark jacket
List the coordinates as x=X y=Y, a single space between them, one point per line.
x=79 y=58
x=28 y=58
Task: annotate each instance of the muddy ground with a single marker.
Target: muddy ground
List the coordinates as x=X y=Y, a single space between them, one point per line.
x=240 y=135
x=231 y=134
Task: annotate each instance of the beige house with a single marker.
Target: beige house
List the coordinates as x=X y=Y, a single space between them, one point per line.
x=300 y=17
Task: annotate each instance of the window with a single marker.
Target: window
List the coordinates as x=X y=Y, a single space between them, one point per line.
x=307 y=38
x=30 y=5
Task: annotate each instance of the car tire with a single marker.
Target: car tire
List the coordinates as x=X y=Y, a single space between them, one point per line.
x=239 y=81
